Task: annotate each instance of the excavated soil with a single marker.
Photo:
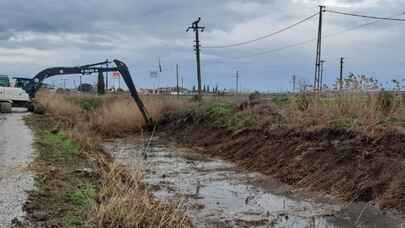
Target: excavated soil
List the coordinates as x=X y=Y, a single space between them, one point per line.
x=337 y=162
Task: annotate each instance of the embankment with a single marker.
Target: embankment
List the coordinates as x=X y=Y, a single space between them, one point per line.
x=342 y=163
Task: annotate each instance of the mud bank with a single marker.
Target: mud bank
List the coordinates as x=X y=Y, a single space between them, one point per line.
x=334 y=162
x=15 y=177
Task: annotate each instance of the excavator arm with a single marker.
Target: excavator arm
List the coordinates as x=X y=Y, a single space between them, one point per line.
x=34 y=85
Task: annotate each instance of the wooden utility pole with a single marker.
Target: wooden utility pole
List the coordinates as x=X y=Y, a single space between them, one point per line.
x=177 y=79
x=318 y=51
x=196 y=28
x=341 y=74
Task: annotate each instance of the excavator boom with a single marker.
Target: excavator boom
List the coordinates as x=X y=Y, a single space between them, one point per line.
x=34 y=85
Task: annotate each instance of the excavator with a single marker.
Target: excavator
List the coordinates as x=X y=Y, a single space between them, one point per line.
x=32 y=86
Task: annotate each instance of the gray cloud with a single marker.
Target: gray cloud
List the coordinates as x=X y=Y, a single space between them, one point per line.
x=41 y=33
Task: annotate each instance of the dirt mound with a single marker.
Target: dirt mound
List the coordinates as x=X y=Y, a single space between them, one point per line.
x=342 y=163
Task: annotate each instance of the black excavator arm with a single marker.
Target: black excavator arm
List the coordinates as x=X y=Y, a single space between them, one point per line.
x=34 y=85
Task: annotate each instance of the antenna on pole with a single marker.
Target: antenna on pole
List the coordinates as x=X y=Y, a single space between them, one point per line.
x=196 y=28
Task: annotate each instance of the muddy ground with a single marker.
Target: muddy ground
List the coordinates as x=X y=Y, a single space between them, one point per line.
x=331 y=162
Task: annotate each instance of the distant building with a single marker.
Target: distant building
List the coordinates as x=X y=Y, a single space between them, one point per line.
x=164 y=91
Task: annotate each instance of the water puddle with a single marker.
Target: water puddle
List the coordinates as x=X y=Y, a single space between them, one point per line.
x=217 y=194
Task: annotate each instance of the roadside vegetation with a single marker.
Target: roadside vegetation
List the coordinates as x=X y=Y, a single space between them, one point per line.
x=78 y=185
x=347 y=145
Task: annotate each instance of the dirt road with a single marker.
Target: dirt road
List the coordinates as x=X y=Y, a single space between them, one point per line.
x=15 y=156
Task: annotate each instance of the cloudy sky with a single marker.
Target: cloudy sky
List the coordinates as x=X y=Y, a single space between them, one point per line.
x=37 y=34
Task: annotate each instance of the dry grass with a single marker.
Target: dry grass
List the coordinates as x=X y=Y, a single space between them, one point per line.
x=125 y=202
x=60 y=108
x=356 y=111
x=112 y=116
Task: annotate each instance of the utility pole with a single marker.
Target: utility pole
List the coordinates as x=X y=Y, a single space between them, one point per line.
x=294 y=81
x=80 y=82
x=318 y=51
x=182 y=84
x=321 y=79
x=237 y=82
x=106 y=76
x=196 y=28
x=341 y=74
x=177 y=79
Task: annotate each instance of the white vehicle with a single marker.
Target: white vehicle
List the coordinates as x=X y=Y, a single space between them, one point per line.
x=11 y=96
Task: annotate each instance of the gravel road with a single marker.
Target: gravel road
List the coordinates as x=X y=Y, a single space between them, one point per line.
x=15 y=157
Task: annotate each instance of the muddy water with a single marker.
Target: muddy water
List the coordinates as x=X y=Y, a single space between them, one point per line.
x=15 y=156
x=217 y=194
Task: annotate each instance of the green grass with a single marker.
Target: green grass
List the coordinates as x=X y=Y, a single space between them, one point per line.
x=73 y=221
x=84 y=196
x=219 y=110
x=281 y=100
x=62 y=143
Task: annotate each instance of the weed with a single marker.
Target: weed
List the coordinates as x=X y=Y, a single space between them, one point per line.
x=130 y=205
x=303 y=101
x=345 y=123
x=385 y=101
x=73 y=221
x=84 y=196
x=280 y=100
x=67 y=145
x=90 y=104
x=219 y=110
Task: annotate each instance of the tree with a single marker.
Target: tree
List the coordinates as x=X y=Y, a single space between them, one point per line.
x=86 y=88
x=360 y=83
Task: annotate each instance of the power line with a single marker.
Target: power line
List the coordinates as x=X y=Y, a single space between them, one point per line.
x=365 y=16
x=308 y=41
x=265 y=36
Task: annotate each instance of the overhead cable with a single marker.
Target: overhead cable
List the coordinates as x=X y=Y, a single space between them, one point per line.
x=265 y=36
x=366 y=16
x=309 y=41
